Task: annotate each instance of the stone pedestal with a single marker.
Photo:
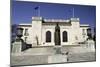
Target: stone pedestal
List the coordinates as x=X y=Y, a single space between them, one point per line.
x=16 y=47
x=57 y=49
x=57 y=58
x=91 y=45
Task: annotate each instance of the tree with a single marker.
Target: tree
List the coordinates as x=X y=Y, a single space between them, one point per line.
x=94 y=36
x=13 y=32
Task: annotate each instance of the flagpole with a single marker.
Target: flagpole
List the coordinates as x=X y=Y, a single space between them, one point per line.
x=73 y=12
x=39 y=12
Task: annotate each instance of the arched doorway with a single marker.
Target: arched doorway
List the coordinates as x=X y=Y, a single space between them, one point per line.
x=48 y=36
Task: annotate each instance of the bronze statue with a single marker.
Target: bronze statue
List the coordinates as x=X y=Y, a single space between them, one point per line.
x=57 y=35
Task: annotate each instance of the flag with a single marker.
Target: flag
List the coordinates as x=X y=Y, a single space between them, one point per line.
x=36 y=8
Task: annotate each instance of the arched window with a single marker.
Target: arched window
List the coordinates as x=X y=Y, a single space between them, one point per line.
x=65 y=37
x=48 y=36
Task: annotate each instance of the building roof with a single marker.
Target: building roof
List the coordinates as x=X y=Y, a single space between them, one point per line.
x=84 y=25
x=56 y=20
x=26 y=25
x=54 y=23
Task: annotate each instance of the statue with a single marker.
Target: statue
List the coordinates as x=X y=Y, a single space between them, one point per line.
x=57 y=35
x=18 y=45
x=19 y=33
x=57 y=39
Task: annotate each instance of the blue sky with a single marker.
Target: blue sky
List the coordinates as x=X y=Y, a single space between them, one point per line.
x=22 y=12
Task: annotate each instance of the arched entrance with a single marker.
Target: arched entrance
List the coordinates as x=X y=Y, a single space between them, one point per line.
x=48 y=36
x=65 y=36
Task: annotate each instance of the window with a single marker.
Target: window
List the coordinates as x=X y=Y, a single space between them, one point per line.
x=48 y=36
x=26 y=32
x=65 y=37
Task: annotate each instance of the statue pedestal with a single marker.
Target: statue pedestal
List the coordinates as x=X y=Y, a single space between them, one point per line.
x=57 y=49
x=91 y=45
x=17 y=46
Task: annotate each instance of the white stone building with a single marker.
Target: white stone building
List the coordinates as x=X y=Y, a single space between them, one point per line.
x=41 y=31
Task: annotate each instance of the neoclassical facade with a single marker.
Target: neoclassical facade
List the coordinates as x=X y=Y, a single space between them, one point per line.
x=41 y=31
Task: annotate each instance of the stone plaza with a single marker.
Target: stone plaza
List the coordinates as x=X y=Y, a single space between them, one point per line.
x=44 y=55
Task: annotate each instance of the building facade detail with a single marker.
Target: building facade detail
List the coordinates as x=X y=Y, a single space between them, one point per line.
x=44 y=32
